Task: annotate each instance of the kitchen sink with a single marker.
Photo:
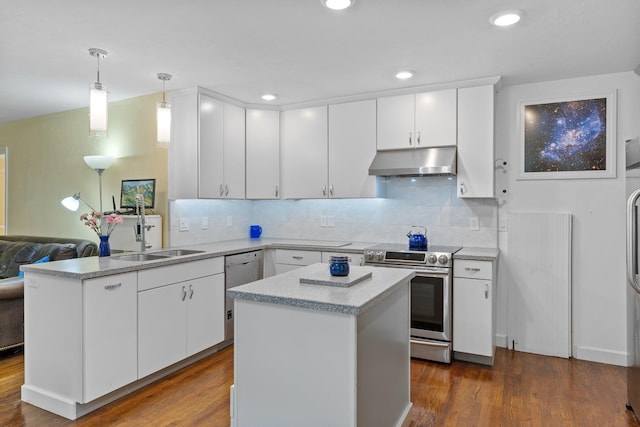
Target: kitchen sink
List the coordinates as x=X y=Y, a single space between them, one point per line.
x=178 y=252
x=140 y=257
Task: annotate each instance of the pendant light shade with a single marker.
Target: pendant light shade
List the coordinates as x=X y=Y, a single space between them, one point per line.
x=98 y=113
x=163 y=114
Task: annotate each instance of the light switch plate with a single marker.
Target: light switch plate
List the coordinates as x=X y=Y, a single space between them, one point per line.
x=474 y=223
x=205 y=222
x=331 y=221
x=184 y=223
x=323 y=220
x=229 y=221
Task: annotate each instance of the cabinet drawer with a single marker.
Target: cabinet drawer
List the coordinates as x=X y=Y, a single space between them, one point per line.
x=472 y=269
x=292 y=257
x=154 y=277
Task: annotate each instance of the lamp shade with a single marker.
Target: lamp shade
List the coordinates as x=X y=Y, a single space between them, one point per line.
x=97 y=109
x=99 y=162
x=163 y=118
x=72 y=203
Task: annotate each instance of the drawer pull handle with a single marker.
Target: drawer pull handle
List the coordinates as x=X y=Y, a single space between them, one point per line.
x=113 y=286
x=184 y=293
x=297 y=257
x=474 y=269
x=486 y=291
x=190 y=292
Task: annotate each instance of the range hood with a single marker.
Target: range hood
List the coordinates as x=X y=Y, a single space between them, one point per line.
x=415 y=162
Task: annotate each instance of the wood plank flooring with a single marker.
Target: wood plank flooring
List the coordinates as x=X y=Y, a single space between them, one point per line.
x=519 y=390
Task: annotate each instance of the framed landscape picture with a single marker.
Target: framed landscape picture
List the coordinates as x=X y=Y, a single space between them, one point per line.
x=568 y=138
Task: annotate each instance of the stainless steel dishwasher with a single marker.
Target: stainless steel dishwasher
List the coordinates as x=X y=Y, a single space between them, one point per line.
x=240 y=269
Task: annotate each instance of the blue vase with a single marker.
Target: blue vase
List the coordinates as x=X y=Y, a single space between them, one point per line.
x=105 y=249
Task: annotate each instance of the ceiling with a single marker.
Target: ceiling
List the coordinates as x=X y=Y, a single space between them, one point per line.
x=297 y=48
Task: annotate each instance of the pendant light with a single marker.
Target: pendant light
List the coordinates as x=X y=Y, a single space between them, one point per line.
x=97 y=100
x=163 y=114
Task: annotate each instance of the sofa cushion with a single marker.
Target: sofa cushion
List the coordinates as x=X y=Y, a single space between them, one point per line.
x=15 y=254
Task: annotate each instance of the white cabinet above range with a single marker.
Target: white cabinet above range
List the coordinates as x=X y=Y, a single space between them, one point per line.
x=425 y=119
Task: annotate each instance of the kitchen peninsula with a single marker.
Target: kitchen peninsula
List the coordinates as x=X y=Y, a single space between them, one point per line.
x=312 y=353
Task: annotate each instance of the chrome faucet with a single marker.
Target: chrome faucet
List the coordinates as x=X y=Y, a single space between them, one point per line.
x=141 y=225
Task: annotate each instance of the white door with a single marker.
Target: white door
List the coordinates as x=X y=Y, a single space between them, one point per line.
x=205 y=314
x=303 y=153
x=396 y=118
x=234 y=152
x=211 y=151
x=263 y=154
x=110 y=333
x=162 y=323
x=436 y=118
x=352 y=147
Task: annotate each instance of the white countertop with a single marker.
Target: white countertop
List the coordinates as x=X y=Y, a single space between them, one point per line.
x=91 y=267
x=480 y=254
x=286 y=289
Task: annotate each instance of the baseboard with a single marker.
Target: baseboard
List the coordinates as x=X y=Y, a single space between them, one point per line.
x=600 y=355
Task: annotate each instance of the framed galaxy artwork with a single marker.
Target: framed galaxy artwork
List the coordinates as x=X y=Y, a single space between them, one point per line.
x=568 y=138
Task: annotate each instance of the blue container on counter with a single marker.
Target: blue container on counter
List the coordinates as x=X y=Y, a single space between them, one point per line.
x=255 y=231
x=339 y=265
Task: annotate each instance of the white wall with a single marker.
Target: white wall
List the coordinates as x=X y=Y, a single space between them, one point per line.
x=598 y=208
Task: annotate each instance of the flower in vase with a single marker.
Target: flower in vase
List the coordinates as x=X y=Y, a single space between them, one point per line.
x=93 y=220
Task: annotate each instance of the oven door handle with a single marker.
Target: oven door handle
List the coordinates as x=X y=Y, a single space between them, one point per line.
x=431 y=343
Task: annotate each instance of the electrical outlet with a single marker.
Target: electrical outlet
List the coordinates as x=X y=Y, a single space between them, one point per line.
x=474 y=223
x=229 y=221
x=502 y=224
x=184 y=223
x=205 y=222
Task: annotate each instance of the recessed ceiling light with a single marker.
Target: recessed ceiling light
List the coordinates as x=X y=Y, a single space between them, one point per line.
x=404 y=75
x=269 y=96
x=506 y=18
x=337 y=4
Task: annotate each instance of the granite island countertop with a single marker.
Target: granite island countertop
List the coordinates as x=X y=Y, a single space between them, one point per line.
x=286 y=289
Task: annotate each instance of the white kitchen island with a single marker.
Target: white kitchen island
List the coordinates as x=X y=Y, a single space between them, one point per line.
x=319 y=355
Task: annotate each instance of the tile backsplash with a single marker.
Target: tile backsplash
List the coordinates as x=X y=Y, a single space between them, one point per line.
x=428 y=201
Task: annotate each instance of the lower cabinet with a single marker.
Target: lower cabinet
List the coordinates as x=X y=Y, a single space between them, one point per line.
x=474 y=311
x=177 y=320
x=287 y=259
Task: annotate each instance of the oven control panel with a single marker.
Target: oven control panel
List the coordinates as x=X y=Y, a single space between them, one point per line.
x=417 y=258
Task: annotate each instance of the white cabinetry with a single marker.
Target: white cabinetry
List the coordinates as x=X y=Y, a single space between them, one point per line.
x=303 y=153
x=182 y=168
x=263 y=154
x=352 y=147
x=418 y=120
x=181 y=312
x=355 y=258
x=474 y=310
x=221 y=157
x=287 y=259
x=123 y=236
x=476 y=158
x=81 y=338
x=110 y=318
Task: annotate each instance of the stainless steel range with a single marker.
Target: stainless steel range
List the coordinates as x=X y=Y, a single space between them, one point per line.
x=431 y=294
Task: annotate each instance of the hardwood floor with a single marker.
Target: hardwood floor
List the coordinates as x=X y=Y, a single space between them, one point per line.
x=519 y=390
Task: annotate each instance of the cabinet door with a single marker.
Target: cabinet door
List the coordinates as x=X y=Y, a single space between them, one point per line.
x=472 y=316
x=303 y=153
x=211 y=149
x=476 y=156
x=234 y=152
x=352 y=146
x=110 y=334
x=436 y=123
x=183 y=149
x=205 y=313
x=263 y=154
x=162 y=323
x=396 y=122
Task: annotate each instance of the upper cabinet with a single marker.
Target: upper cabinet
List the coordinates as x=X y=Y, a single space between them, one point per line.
x=418 y=120
x=325 y=152
x=207 y=149
x=263 y=154
x=476 y=156
x=221 y=160
x=352 y=147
